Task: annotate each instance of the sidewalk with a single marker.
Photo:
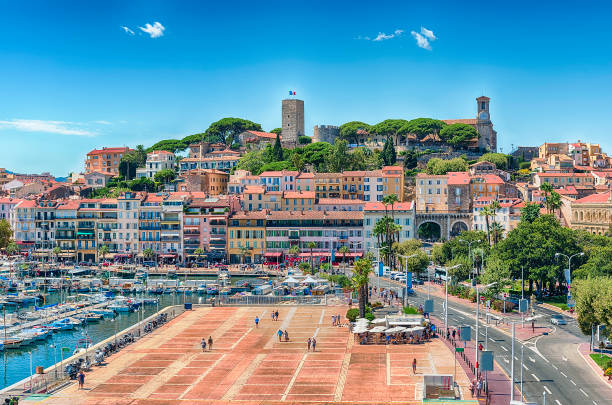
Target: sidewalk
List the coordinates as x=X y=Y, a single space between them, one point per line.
x=505 y=326
x=584 y=350
x=498 y=380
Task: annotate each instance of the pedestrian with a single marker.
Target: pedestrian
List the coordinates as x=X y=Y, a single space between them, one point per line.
x=338 y=322
x=333 y=320
x=203 y=344
x=276 y=313
x=447 y=334
x=309 y=341
x=210 y=342
x=257 y=322
x=459 y=334
x=81 y=379
x=533 y=326
x=478 y=387
x=273 y=316
x=314 y=344
x=280 y=334
x=454 y=333
x=286 y=336
x=472 y=388
x=414 y=365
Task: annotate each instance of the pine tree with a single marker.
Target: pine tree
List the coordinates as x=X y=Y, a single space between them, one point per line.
x=389 y=155
x=277 y=151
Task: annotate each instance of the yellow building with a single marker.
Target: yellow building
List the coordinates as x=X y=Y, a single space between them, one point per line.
x=328 y=185
x=257 y=198
x=393 y=181
x=247 y=237
x=352 y=185
x=298 y=201
x=593 y=213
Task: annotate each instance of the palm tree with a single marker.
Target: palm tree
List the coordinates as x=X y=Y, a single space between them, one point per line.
x=487 y=212
x=344 y=250
x=294 y=251
x=547 y=188
x=56 y=251
x=553 y=202
x=311 y=245
x=198 y=252
x=103 y=251
x=148 y=253
x=244 y=252
x=497 y=232
x=361 y=277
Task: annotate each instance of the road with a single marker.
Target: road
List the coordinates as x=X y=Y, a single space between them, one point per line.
x=551 y=363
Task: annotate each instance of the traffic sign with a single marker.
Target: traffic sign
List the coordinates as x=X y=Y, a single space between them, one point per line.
x=459 y=349
x=65 y=349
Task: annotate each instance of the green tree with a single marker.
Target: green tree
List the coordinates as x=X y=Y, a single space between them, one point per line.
x=311 y=246
x=350 y=131
x=252 y=161
x=244 y=253
x=390 y=129
x=276 y=131
x=344 y=250
x=103 y=251
x=389 y=155
x=421 y=127
x=593 y=303
x=142 y=184
x=487 y=212
x=410 y=158
x=198 y=252
x=6 y=233
x=277 y=151
x=339 y=159
x=12 y=248
x=498 y=159
x=294 y=251
x=598 y=264
x=553 y=202
x=442 y=166
x=306 y=268
x=530 y=212
x=56 y=252
x=226 y=130
x=456 y=134
x=170 y=145
x=417 y=264
x=304 y=140
x=546 y=188
x=165 y=176
x=361 y=277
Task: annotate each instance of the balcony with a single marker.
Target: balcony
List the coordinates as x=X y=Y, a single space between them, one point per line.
x=170 y=238
x=192 y=242
x=191 y=232
x=60 y=227
x=149 y=228
x=87 y=225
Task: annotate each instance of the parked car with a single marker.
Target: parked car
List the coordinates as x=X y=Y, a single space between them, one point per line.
x=558 y=320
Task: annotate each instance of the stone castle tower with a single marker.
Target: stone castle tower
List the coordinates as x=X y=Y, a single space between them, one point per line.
x=293 y=122
x=484 y=126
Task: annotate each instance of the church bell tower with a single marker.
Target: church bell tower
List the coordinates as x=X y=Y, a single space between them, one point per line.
x=484 y=126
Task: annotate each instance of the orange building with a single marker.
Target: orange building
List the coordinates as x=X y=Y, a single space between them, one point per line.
x=105 y=160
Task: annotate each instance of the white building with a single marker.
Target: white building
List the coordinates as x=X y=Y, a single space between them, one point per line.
x=156 y=161
x=373 y=186
x=403 y=214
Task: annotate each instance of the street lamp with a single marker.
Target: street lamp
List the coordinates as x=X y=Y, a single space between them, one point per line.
x=569 y=268
x=406 y=270
x=477 y=322
x=446 y=299
x=469 y=243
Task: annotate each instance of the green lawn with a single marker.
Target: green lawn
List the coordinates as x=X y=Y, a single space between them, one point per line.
x=602 y=361
x=559 y=301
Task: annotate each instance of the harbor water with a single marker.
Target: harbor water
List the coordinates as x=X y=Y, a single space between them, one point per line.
x=16 y=362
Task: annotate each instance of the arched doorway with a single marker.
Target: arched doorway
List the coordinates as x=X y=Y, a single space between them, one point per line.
x=457 y=228
x=429 y=231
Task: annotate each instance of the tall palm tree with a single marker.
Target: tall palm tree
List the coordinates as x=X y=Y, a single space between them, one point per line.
x=344 y=250
x=244 y=252
x=311 y=246
x=553 y=202
x=294 y=251
x=56 y=251
x=360 y=279
x=497 y=232
x=103 y=251
x=547 y=188
x=487 y=212
x=148 y=253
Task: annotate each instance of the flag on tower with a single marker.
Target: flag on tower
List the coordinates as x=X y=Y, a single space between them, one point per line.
x=291 y=93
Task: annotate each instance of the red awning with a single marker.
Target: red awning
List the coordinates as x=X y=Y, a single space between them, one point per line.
x=273 y=254
x=168 y=256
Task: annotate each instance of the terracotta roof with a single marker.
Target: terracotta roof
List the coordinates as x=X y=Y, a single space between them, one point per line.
x=160 y=152
x=339 y=201
x=378 y=206
x=253 y=189
x=69 y=205
x=260 y=134
x=355 y=173
x=568 y=190
x=7 y=200
x=27 y=204
x=564 y=174
x=596 y=198
x=492 y=179
x=279 y=173
x=315 y=215
x=431 y=138
x=469 y=121
x=457 y=178
x=299 y=194
x=306 y=175
x=214 y=158
x=249 y=215
x=109 y=150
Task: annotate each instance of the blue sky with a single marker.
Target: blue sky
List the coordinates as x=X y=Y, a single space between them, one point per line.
x=73 y=79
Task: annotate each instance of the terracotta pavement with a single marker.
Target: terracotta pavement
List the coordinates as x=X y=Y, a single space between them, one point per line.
x=248 y=364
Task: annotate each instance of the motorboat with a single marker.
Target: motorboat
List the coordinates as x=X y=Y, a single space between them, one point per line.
x=12 y=343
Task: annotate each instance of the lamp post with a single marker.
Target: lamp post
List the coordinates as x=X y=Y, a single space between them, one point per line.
x=569 y=267
x=378 y=249
x=469 y=243
x=477 y=323
x=446 y=269
x=406 y=270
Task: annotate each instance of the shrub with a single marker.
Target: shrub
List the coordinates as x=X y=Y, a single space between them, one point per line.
x=410 y=311
x=352 y=314
x=377 y=304
x=564 y=307
x=369 y=316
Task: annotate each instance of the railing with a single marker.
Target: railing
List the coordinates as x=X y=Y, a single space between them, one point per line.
x=272 y=300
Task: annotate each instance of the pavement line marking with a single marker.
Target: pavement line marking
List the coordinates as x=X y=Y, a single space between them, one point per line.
x=536 y=377
x=242 y=337
x=241 y=381
x=564 y=358
x=492 y=340
x=515 y=358
x=557 y=401
x=200 y=378
x=585 y=394
x=342 y=377
x=322 y=315
x=563 y=374
x=532 y=359
x=525 y=367
x=572 y=381
x=504 y=348
x=547 y=390
x=507 y=361
x=294 y=377
x=594 y=402
x=388 y=368
x=316 y=332
x=555 y=367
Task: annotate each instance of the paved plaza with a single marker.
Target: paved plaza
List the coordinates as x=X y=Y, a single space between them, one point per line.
x=250 y=365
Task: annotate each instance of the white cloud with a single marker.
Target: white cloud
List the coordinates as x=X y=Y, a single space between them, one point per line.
x=421 y=41
x=382 y=36
x=428 y=34
x=102 y=122
x=52 y=127
x=127 y=30
x=155 y=31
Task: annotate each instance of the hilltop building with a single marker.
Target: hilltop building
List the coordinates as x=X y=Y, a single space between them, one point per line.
x=292 y=122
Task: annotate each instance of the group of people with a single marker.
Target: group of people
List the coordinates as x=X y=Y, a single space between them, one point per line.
x=210 y=343
x=312 y=343
x=476 y=386
x=455 y=333
x=275 y=315
x=336 y=320
x=282 y=334
x=387 y=296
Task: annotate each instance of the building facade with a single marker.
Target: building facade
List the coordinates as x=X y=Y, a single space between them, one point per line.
x=105 y=160
x=292 y=122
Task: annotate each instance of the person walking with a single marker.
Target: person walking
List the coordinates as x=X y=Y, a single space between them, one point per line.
x=454 y=333
x=314 y=344
x=276 y=313
x=81 y=379
x=533 y=326
x=257 y=322
x=273 y=316
x=478 y=387
x=309 y=341
x=286 y=336
x=280 y=334
x=203 y=344
x=414 y=363
x=210 y=342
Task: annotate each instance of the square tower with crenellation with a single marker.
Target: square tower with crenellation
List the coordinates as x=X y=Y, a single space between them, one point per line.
x=293 y=122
